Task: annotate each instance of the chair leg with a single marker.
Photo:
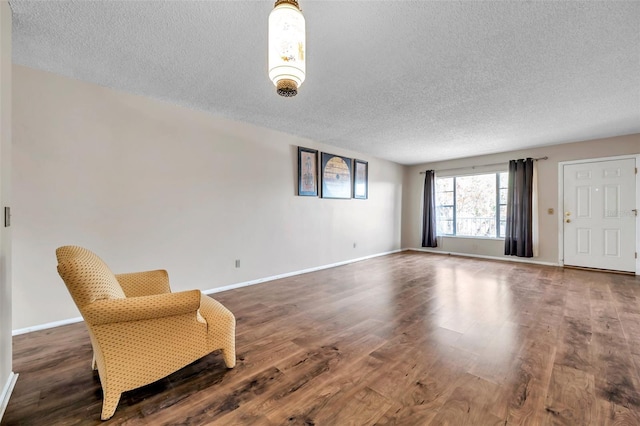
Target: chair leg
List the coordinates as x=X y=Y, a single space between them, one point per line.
x=109 y=404
x=229 y=355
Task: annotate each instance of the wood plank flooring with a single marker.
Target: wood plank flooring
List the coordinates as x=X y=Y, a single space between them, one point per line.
x=406 y=339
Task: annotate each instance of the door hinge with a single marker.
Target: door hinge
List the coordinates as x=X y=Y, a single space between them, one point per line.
x=636 y=255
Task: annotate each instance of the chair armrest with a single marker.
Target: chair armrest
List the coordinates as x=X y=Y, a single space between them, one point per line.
x=135 y=284
x=107 y=311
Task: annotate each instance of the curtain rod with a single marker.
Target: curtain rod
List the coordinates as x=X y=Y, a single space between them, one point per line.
x=483 y=165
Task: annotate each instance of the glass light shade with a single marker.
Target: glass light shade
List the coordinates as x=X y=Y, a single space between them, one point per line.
x=286 y=47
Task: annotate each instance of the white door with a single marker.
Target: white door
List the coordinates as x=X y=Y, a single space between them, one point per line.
x=599 y=216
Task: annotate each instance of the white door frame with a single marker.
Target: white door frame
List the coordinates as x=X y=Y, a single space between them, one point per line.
x=560 y=209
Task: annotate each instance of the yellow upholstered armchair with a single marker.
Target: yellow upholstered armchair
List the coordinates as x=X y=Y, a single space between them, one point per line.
x=140 y=331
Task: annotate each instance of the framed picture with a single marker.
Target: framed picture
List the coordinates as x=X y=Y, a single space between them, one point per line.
x=360 y=179
x=307 y=172
x=336 y=176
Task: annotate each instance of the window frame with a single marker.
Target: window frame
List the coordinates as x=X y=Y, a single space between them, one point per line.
x=499 y=204
x=498 y=217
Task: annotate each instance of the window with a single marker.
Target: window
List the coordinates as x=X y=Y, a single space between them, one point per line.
x=472 y=206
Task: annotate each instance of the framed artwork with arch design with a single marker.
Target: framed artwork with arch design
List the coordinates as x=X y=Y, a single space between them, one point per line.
x=336 y=174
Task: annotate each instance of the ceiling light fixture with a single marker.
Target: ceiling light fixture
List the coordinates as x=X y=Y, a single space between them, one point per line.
x=287 y=47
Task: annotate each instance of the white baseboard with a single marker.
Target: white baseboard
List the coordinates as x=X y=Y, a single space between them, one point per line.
x=291 y=274
x=213 y=290
x=6 y=392
x=46 y=326
x=481 y=256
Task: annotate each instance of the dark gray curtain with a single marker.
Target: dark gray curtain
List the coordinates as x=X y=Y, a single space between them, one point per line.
x=429 y=210
x=518 y=239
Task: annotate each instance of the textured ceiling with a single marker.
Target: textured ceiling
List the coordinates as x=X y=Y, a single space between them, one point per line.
x=408 y=81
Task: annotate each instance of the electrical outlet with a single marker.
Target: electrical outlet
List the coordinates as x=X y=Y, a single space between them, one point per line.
x=237 y=263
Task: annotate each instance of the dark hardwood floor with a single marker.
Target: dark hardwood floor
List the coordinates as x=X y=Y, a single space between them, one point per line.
x=406 y=339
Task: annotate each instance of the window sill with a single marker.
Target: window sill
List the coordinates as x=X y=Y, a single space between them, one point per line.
x=465 y=237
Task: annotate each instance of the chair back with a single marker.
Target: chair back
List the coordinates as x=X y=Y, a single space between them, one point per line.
x=86 y=276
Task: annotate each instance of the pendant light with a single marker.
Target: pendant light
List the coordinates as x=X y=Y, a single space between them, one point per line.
x=287 y=47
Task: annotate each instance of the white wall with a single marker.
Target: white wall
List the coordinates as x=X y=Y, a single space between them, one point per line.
x=547 y=194
x=6 y=375
x=146 y=184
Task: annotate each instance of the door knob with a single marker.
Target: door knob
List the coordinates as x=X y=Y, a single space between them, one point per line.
x=568 y=220
x=567 y=214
